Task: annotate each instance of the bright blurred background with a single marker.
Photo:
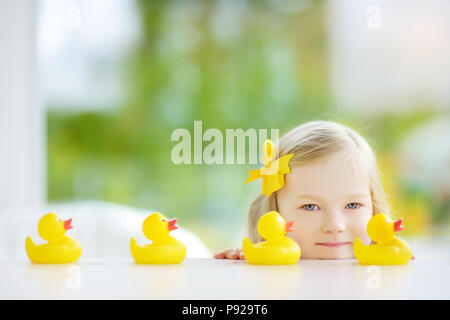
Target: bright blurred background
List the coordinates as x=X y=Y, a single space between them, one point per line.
x=115 y=78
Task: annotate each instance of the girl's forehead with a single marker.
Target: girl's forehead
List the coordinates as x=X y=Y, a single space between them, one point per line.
x=342 y=173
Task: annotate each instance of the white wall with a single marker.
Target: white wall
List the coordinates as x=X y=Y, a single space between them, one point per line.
x=21 y=120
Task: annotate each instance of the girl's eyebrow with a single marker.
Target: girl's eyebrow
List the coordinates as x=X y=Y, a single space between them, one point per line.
x=350 y=196
x=358 y=195
x=309 y=196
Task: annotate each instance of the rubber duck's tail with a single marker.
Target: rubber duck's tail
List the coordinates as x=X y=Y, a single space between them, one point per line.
x=247 y=245
x=134 y=246
x=30 y=248
x=359 y=248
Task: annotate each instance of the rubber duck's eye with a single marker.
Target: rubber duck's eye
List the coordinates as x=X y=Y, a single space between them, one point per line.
x=162 y=220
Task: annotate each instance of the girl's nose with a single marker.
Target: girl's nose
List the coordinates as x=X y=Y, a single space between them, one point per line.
x=333 y=224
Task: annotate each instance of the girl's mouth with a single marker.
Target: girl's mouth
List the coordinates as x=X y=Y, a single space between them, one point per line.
x=333 y=244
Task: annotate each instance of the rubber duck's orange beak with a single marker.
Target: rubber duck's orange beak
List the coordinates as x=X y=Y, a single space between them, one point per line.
x=172 y=224
x=67 y=225
x=398 y=225
x=289 y=226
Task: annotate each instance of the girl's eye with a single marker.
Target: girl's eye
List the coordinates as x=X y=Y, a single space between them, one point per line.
x=310 y=207
x=352 y=205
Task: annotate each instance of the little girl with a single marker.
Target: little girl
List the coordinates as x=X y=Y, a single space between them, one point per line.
x=331 y=193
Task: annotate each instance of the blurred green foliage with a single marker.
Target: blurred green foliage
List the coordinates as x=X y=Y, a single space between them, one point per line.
x=269 y=69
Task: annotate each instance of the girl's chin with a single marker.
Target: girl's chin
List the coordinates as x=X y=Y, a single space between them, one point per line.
x=328 y=257
x=335 y=258
x=321 y=255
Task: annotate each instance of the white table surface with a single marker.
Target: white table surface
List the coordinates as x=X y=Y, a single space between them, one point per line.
x=225 y=279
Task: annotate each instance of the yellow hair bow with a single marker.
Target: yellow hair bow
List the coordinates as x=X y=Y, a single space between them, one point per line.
x=273 y=172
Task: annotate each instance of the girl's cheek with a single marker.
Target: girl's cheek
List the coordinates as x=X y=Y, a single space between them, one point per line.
x=305 y=229
x=300 y=237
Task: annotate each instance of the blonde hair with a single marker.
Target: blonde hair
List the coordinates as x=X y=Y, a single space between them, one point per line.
x=315 y=141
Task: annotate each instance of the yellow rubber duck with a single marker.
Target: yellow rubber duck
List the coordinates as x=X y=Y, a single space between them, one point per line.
x=389 y=250
x=278 y=248
x=164 y=249
x=60 y=248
